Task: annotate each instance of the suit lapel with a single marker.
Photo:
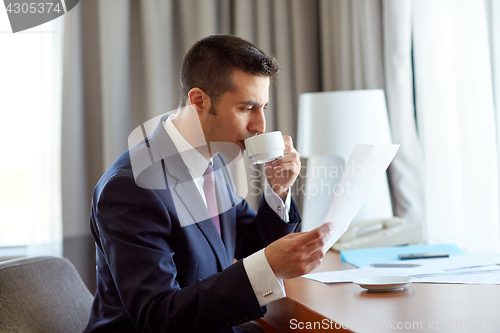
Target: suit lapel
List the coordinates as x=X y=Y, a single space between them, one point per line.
x=190 y=197
x=187 y=199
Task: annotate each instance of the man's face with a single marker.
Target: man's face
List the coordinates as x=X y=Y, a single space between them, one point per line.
x=238 y=114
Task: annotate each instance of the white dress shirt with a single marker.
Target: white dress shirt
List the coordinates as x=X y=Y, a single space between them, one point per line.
x=266 y=286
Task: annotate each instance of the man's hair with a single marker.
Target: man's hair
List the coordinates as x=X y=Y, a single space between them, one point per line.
x=209 y=64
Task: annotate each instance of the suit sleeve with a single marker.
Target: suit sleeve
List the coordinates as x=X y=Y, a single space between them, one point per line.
x=130 y=225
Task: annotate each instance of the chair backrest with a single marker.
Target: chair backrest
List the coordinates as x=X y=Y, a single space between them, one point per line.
x=42 y=294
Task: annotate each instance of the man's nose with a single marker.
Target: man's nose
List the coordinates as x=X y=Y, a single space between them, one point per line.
x=257 y=123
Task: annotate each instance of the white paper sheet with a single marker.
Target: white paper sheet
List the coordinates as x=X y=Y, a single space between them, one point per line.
x=491 y=276
x=456 y=269
x=351 y=274
x=366 y=165
x=455 y=263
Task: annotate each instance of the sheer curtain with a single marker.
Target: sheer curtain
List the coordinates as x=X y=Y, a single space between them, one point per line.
x=456 y=122
x=493 y=13
x=30 y=197
x=46 y=226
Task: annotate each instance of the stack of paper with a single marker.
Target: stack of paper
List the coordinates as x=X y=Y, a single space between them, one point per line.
x=456 y=269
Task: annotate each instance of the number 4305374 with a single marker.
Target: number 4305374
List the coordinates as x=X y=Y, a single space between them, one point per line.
x=33 y=8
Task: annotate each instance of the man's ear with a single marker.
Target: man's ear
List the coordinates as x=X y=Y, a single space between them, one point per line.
x=199 y=99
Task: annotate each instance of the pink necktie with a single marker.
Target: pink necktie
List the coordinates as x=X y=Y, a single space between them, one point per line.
x=209 y=189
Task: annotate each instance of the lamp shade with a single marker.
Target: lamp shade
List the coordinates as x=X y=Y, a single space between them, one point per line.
x=330 y=123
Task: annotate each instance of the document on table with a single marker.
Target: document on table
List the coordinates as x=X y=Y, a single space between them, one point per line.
x=490 y=275
x=365 y=167
x=454 y=263
x=465 y=268
x=351 y=274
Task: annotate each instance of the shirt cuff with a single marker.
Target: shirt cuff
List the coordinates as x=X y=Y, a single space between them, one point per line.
x=281 y=208
x=266 y=286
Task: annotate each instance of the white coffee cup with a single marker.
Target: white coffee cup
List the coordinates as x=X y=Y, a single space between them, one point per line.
x=265 y=147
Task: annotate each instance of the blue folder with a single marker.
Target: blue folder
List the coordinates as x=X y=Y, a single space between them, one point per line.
x=382 y=255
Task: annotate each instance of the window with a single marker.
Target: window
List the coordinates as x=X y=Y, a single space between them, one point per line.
x=30 y=89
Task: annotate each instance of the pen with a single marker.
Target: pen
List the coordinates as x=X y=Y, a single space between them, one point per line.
x=423 y=255
x=395 y=265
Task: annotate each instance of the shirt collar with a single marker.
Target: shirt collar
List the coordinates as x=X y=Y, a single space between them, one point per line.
x=196 y=163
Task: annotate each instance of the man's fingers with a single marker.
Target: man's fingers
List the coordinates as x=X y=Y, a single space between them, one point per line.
x=287 y=166
x=292 y=156
x=288 y=141
x=289 y=149
x=315 y=234
x=313 y=261
x=317 y=256
x=298 y=253
x=318 y=244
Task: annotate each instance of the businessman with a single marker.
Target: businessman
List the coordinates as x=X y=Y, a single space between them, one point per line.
x=167 y=222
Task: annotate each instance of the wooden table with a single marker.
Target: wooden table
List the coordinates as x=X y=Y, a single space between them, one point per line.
x=418 y=308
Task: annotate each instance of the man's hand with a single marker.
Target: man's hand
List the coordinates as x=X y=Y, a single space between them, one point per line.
x=297 y=254
x=281 y=173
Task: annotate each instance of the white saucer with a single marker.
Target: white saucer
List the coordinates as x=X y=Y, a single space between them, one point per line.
x=384 y=283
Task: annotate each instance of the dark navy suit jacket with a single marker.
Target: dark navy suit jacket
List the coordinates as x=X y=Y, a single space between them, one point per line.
x=158 y=270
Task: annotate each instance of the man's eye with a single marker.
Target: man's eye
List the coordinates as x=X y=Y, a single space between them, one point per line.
x=247 y=110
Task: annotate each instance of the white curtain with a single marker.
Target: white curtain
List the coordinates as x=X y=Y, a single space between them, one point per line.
x=30 y=196
x=46 y=223
x=456 y=123
x=493 y=11
x=493 y=14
